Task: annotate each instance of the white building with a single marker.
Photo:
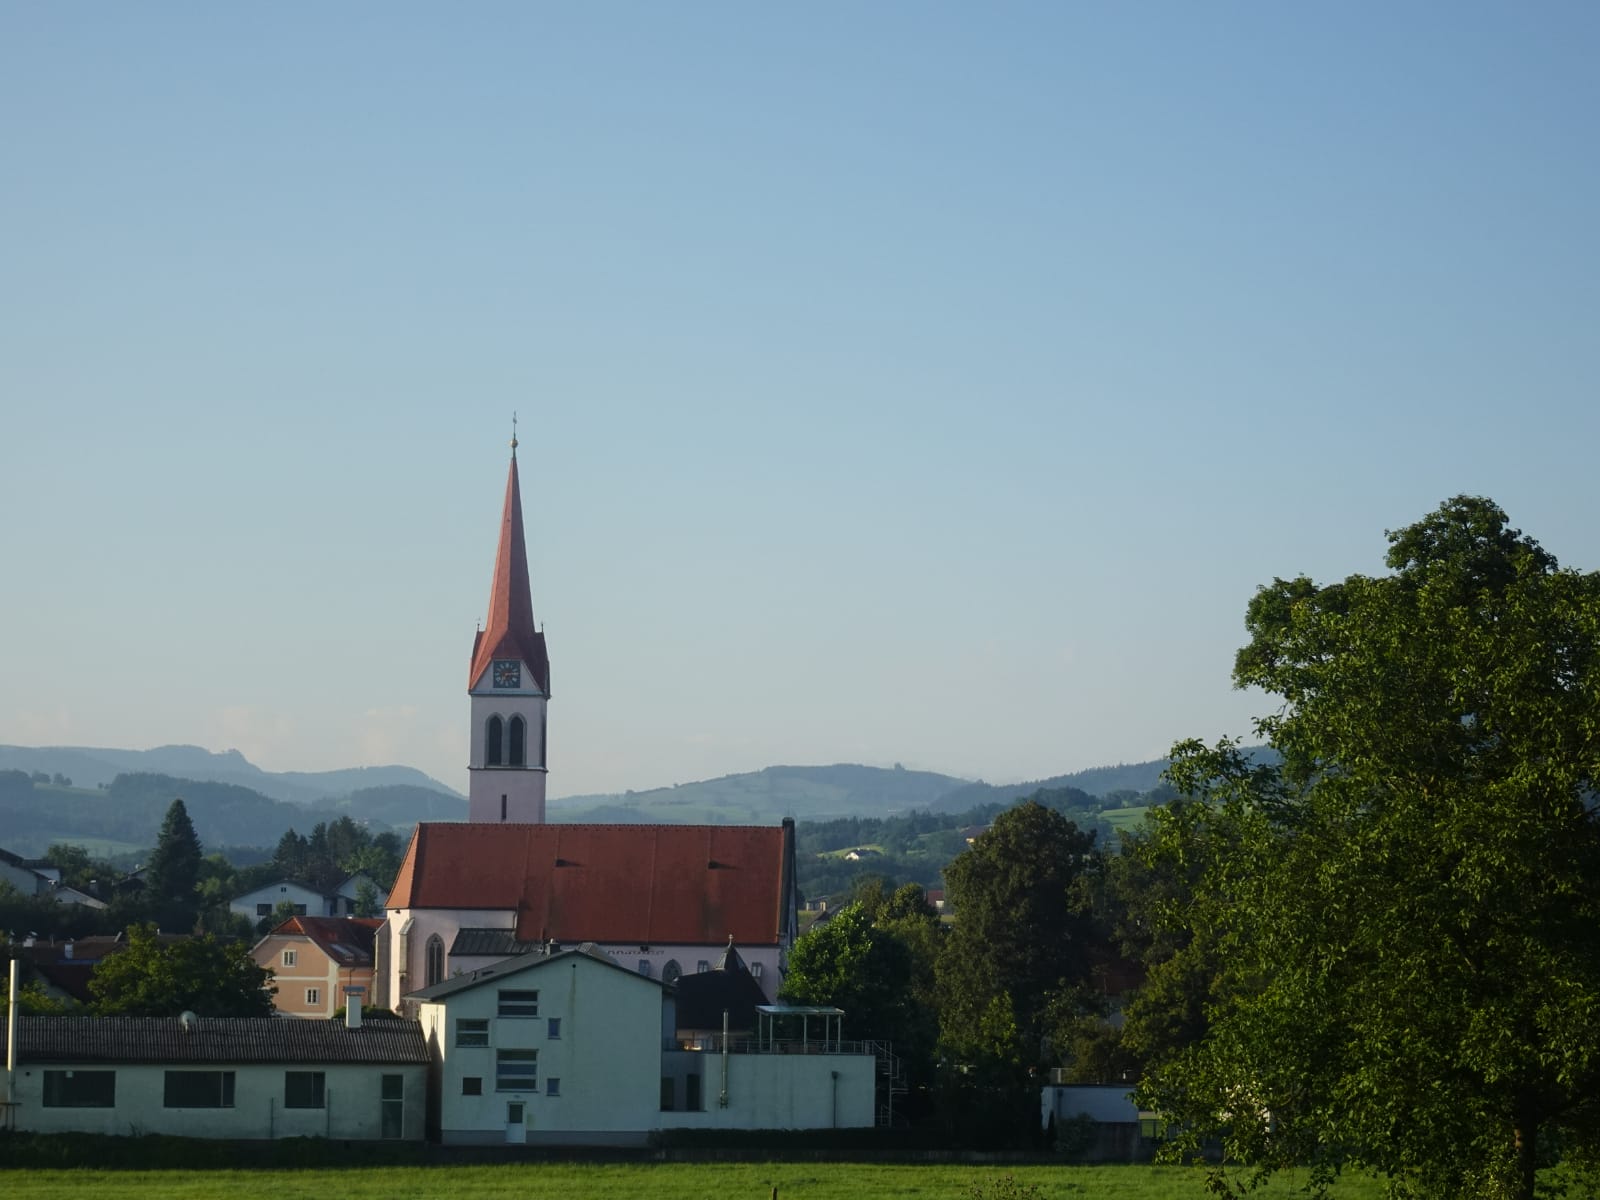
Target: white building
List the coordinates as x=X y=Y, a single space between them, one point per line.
x=239 y=1077
x=663 y=900
x=307 y=901
x=574 y=1048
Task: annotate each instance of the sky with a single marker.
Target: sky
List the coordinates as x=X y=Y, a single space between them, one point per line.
x=926 y=382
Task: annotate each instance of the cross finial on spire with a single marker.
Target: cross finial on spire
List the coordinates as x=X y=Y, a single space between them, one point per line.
x=513 y=433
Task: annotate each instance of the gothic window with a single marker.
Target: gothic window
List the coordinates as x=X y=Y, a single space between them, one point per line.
x=670 y=972
x=544 y=718
x=435 y=964
x=519 y=742
x=493 y=750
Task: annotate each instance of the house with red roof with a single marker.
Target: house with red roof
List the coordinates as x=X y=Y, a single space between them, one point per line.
x=315 y=959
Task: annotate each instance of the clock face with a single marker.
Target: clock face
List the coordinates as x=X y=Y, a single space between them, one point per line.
x=507 y=673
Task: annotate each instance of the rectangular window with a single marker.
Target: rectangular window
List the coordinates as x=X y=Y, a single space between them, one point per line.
x=313 y=995
x=299 y=910
x=472 y=1031
x=290 y=957
x=555 y=1027
x=392 y=1113
x=263 y=910
x=80 y=1089
x=552 y=1086
x=472 y=1085
x=519 y=1004
x=198 y=1089
x=702 y=966
x=304 y=1089
x=755 y=970
x=516 y=1071
x=691 y=1093
x=667 y=1093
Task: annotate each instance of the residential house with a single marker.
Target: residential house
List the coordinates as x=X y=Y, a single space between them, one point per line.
x=662 y=899
x=240 y=1077
x=315 y=959
x=307 y=901
x=572 y=1047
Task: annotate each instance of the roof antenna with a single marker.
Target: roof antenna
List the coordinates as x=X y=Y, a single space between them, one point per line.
x=513 y=433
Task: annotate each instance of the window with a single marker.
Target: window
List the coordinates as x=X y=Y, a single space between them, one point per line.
x=313 y=995
x=493 y=751
x=555 y=1027
x=519 y=742
x=543 y=717
x=755 y=970
x=434 y=967
x=702 y=966
x=80 y=1089
x=198 y=1089
x=290 y=957
x=472 y=1085
x=392 y=1114
x=691 y=1093
x=552 y=1086
x=263 y=910
x=644 y=967
x=516 y=1071
x=670 y=972
x=519 y=1004
x=299 y=910
x=304 y=1089
x=667 y=1093
x=472 y=1031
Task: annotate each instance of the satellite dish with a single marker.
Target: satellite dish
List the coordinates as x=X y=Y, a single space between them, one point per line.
x=188 y=1021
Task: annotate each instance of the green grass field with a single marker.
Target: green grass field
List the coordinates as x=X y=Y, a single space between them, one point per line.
x=633 y=1181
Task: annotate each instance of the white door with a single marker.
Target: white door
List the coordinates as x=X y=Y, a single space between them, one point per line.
x=516 y=1131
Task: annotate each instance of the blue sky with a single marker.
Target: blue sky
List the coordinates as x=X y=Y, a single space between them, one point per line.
x=929 y=383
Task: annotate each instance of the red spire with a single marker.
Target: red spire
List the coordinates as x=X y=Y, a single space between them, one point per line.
x=510 y=632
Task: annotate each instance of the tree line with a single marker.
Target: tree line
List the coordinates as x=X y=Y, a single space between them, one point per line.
x=1376 y=946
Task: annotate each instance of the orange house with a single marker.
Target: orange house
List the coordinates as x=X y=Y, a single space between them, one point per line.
x=314 y=959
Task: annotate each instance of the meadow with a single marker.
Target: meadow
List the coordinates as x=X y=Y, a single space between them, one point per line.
x=649 y=1181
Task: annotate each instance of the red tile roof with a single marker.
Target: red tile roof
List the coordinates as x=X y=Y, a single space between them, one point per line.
x=346 y=940
x=694 y=884
x=509 y=632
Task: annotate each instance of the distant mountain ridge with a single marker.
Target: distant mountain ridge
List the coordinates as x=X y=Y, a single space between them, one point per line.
x=89 y=767
x=830 y=792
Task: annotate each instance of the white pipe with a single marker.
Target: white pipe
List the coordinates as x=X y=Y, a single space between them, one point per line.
x=722 y=1100
x=11 y=1038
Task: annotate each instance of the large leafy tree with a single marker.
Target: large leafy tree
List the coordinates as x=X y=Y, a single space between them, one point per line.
x=1402 y=917
x=1023 y=938
x=201 y=975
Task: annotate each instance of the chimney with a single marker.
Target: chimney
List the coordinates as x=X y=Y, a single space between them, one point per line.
x=352 y=1007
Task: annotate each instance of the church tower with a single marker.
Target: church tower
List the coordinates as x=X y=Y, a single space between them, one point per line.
x=509 y=686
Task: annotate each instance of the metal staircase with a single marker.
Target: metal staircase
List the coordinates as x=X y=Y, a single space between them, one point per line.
x=891 y=1079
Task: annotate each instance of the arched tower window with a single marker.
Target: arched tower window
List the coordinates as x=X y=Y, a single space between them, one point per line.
x=670 y=972
x=494 y=750
x=519 y=742
x=544 y=730
x=435 y=963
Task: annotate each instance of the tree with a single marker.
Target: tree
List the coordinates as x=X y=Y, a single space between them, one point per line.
x=174 y=870
x=848 y=963
x=1401 y=914
x=367 y=900
x=201 y=975
x=1022 y=936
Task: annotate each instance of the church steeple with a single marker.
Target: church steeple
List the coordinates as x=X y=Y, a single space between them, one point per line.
x=509 y=683
x=510 y=632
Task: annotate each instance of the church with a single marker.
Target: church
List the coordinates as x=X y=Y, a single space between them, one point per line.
x=662 y=900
